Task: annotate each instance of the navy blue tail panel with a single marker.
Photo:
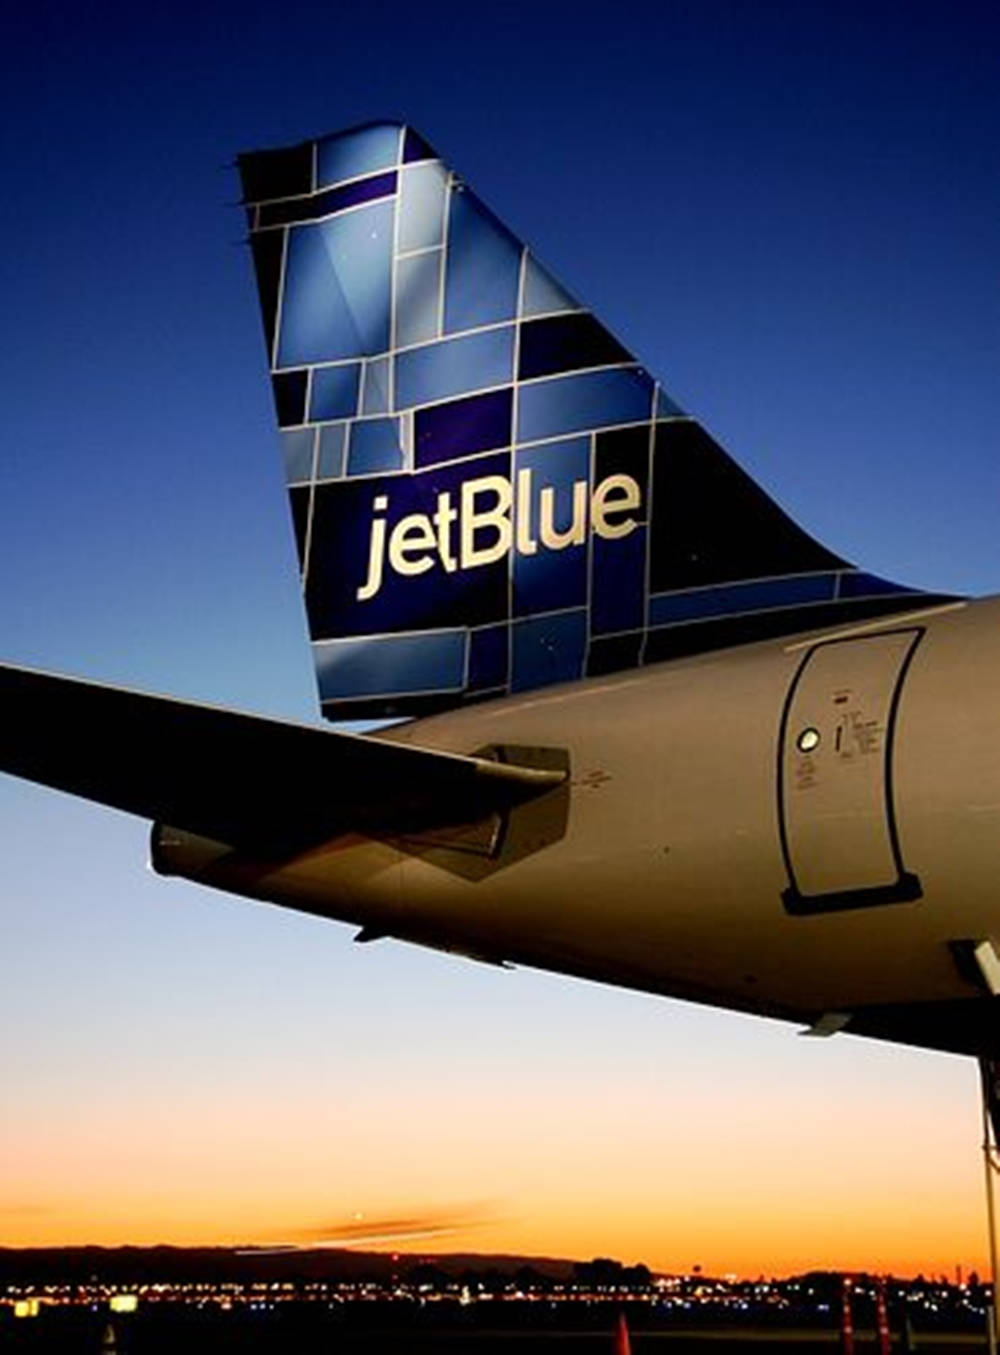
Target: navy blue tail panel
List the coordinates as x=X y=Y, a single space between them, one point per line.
x=489 y=492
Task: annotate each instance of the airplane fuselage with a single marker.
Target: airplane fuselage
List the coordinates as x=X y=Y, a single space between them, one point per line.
x=796 y=827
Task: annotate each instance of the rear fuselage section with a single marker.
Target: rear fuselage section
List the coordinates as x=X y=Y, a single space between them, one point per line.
x=792 y=828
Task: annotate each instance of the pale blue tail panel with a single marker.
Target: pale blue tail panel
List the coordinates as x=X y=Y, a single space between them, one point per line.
x=489 y=492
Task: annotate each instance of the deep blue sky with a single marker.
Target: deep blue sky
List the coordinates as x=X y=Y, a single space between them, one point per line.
x=791 y=215
x=793 y=219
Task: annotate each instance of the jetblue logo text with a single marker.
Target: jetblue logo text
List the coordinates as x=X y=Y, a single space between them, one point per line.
x=493 y=517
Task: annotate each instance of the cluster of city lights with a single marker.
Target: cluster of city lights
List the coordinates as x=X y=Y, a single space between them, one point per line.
x=815 y=1295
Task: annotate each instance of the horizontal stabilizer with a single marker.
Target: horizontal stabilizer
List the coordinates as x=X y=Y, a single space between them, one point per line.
x=262 y=785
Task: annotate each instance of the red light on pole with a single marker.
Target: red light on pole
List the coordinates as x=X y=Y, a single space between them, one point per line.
x=882 y=1319
x=846 y=1319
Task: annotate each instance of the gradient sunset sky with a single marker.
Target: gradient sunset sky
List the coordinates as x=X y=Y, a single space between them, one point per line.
x=793 y=218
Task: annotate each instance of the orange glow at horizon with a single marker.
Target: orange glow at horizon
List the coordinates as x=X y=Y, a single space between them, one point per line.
x=734 y=1184
x=720 y=1249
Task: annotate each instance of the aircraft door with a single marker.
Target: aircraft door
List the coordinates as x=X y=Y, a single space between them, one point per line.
x=835 y=791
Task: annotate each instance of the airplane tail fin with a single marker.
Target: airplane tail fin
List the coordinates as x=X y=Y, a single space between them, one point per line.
x=489 y=492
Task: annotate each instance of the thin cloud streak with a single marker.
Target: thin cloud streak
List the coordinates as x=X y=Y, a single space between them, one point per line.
x=360 y=1230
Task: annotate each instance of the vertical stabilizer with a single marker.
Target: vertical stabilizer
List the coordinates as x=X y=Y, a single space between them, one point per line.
x=489 y=492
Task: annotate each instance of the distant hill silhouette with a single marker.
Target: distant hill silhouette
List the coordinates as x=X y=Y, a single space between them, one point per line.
x=133 y=1265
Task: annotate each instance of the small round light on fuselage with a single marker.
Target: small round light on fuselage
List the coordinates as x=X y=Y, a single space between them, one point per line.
x=808 y=740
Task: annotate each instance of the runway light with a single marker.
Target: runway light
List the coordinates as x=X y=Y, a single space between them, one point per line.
x=124 y=1303
x=27 y=1308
